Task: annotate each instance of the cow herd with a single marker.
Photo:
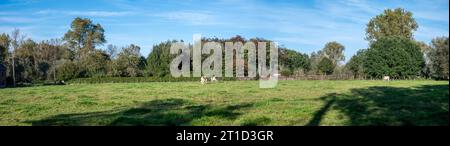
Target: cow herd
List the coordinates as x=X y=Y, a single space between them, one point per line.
x=213 y=79
x=205 y=80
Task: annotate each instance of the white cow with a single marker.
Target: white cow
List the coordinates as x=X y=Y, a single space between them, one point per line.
x=386 y=78
x=213 y=79
x=203 y=80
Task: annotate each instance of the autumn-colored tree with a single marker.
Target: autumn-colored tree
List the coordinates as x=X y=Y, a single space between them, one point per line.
x=397 y=22
x=84 y=36
x=4 y=47
x=334 y=51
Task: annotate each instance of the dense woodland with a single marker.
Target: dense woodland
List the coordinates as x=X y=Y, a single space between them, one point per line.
x=83 y=53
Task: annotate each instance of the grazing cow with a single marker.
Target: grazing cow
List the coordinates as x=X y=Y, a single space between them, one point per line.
x=386 y=78
x=213 y=79
x=203 y=80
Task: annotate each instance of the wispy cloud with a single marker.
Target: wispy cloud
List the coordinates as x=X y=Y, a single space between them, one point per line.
x=301 y=25
x=190 y=17
x=432 y=15
x=86 y=13
x=430 y=32
x=361 y=5
x=27 y=31
x=8 y=19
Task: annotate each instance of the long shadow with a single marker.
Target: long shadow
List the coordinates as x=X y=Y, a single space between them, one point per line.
x=390 y=106
x=329 y=101
x=168 y=112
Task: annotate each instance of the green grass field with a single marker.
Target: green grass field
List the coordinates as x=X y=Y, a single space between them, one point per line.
x=229 y=103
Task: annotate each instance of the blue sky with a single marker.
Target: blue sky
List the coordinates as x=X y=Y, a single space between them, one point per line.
x=304 y=26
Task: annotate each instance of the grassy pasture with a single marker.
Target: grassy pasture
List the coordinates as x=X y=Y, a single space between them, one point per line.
x=229 y=103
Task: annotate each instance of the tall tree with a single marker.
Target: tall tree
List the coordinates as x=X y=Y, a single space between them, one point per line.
x=26 y=61
x=16 y=39
x=439 y=58
x=292 y=60
x=4 y=47
x=395 y=56
x=159 y=59
x=356 y=64
x=128 y=62
x=315 y=58
x=326 y=66
x=50 y=55
x=334 y=51
x=84 y=35
x=426 y=49
x=94 y=64
x=397 y=22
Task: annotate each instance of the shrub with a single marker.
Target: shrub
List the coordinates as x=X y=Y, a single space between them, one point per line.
x=397 y=57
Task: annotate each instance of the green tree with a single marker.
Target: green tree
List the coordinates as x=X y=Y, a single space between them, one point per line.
x=315 y=58
x=394 y=56
x=67 y=70
x=334 y=51
x=128 y=62
x=38 y=61
x=4 y=47
x=84 y=35
x=356 y=64
x=49 y=54
x=439 y=58
x=292 y=61
x=426 y=49
x=159 y=59
x=82 y=38
x=16 y=39
x=25 y=61
x=326 y=66
x=94 y=64
x=398 y=22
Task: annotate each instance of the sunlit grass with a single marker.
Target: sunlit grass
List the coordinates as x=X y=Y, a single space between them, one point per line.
x=229 y=103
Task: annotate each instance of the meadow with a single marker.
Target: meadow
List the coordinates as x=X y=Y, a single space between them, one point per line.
x=241 y=103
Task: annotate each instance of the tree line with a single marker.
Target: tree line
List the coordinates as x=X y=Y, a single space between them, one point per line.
x=392 y=51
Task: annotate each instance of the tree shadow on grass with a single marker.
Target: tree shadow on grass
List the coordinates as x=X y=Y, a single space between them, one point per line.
x=320 y=113
x=390 y=106
x=167 y=112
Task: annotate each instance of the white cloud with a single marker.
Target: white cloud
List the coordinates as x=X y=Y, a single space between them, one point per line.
x=430 y=32
x=98 y=13
x=27 y=31
x=193 y=18
x=432 y=15
x=15 y=20
x=361 y=5
x=86 y=13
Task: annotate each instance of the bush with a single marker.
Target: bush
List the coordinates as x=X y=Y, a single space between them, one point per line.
x=326 y=66
x=67 y=71
x=397 y=57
